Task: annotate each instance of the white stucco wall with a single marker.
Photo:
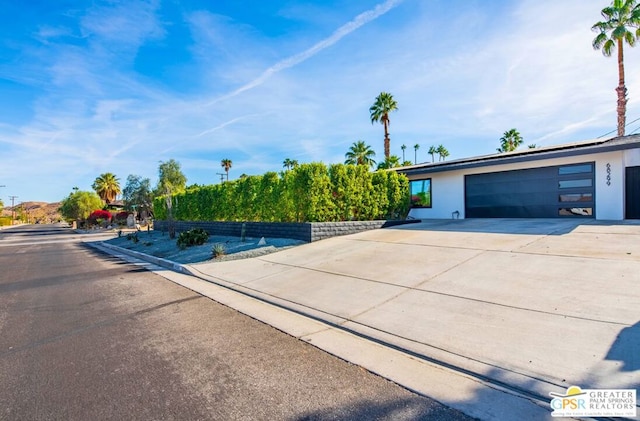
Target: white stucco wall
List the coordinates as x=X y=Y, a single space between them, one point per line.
x=447 y=188
x=610 y=197
x=632 y=158
x=447 y=196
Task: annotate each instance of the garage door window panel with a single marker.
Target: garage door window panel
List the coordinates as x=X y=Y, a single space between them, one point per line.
x=575 y=212
x=576 y=197
x=572 y=184
x=576 y=169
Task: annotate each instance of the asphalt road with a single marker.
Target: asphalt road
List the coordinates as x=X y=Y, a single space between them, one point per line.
x=84 y=336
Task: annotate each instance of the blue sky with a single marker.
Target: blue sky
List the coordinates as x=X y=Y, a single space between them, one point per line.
x=117 y=86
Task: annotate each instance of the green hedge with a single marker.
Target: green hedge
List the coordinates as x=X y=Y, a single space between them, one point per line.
x=307 y=193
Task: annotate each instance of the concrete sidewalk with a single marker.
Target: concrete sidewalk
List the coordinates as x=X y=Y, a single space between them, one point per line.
x=523 y=307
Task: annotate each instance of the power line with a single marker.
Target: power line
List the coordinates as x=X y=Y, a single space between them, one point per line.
x=614 y=130
x=634 y=130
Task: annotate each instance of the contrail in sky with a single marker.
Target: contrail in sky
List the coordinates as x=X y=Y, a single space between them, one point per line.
x=344 y=30
x=225 y=124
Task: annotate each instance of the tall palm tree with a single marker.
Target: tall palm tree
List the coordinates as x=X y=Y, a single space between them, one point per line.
x=226 y=164
x=289 y=163
x=403 y=147
x=442 y=152
x=415 y=152
x=510 y=141
x=390 y=162
x=360 y=154
x=620 y=18
x=379 y=112
x=433 y=151
x=107 y=186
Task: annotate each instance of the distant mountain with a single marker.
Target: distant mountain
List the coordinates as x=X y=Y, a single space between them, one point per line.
x=40 y=212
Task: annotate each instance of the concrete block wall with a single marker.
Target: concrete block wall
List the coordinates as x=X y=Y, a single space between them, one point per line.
x=295 y=231
x=322 y=230
x=304 y=231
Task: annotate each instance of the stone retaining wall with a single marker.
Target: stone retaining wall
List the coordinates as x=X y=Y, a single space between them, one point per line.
x=304 y=231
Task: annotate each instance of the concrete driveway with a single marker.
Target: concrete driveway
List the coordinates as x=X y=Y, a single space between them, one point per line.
x=529 y=305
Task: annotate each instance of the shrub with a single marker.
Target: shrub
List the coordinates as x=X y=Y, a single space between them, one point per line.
x=121 y=217
x=193 y=237
x=98 y=216
x=308 y=193
x=218 y=250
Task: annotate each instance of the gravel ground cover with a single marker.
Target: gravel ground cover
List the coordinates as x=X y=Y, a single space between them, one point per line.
x=160 y=245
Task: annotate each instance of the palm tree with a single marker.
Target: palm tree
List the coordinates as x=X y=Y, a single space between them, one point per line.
x=360 y=154
x=379 y=112
x=442 y=152
x=289 y=163
x=415 y=152
x=433 y=151
x=510 y=141
x=403 y=147
x=620 y=17
x=226 y=164
x=532 y=146
x=107 y=186
x=390 y=162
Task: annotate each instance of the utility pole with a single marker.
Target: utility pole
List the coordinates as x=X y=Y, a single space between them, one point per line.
x=13 y=210
x=2 y=185
x=221 y=174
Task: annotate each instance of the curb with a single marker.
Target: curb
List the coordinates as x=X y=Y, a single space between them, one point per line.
x=167 y=264
x=501 y=388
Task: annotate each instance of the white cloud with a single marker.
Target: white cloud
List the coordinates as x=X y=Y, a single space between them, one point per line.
x=461 y=76
x=123 y=26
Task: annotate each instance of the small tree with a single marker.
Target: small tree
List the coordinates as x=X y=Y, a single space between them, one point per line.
x=510 y=141
x=137 y=194
x=360 y=154
x=107 y=186
x=379 y=111
x=390 y=162
x=171 y=181
x=622 y=21
x=442 y=152
x=433 y=151
x=226 y=164
x=289 y=163
x=78 y=205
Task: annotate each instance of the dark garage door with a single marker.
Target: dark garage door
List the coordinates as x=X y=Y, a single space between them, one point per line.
x=632 y=193
x=547 y=192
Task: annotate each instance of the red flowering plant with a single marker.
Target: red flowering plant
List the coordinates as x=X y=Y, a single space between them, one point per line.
x=98 y=217
x=120 y=218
